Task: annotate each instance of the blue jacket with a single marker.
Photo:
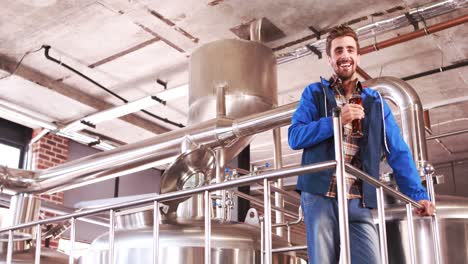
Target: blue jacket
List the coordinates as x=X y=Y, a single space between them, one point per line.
x=312 y=130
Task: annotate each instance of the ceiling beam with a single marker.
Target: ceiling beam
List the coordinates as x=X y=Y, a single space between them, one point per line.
x=26 y=72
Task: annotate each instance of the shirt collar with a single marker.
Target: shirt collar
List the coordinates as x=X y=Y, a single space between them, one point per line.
x=336 y=84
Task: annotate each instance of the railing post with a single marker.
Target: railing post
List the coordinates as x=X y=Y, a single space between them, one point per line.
x=37 y=257
x=409 y=215
x=262 y=239
x=267 y=220
x=382 y=227
x=429 y=172
x=345 y=255
x=71 y=260
x=155 y=232
x=111 y=236
x=207 y=228
x=10 y=247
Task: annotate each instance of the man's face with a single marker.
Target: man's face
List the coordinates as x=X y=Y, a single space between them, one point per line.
x=344 y=57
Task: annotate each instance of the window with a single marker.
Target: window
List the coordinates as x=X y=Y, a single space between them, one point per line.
x=14 y=139
x=10 y=156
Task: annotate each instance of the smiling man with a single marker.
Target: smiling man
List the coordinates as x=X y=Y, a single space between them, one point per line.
x=312 y=131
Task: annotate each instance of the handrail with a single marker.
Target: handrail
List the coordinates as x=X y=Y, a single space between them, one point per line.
x=376 y=183
x=271 y=175
x=266 y=177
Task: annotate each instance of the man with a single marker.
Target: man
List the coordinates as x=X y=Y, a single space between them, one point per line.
x=312 y=130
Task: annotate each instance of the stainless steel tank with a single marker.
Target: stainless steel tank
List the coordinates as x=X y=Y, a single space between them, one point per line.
x=48 y=256
x=183 y=243
x=452 y=217
x=247 y=71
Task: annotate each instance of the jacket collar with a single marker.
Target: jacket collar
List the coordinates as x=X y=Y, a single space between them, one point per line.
x=325 y=82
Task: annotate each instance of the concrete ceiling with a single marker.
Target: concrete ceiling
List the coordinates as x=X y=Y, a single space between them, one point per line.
x=127 y=45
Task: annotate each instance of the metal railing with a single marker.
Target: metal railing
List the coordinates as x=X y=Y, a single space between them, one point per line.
x=266 y=178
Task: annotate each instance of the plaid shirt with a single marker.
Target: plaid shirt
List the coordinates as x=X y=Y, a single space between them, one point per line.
x=350 y=144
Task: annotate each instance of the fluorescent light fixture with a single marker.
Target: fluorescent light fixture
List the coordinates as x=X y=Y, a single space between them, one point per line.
x=27 y=117
x=174 y=93
x=23 y=116
x=84 y=139
x=110 y=114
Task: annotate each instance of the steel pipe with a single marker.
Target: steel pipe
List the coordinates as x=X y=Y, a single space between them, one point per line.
x=220 y=177
x=278 y=164
x=295 y=222
x=411 y=112
x=264 y=121
x=151 y=152
x=289 y=249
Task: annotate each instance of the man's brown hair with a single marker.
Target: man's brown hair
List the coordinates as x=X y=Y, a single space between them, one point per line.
x=340 y=31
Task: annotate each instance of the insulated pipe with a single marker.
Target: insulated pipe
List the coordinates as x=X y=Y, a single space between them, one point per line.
x=411 y=112
x=151 y=152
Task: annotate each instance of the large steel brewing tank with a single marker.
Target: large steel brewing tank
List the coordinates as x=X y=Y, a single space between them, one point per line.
x=246 y=69
x=452 y=217
x=183 y=243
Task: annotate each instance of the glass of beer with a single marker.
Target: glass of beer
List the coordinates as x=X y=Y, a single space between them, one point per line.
x=356 y=123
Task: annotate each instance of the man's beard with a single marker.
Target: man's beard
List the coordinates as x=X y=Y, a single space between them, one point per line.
x=347 y=75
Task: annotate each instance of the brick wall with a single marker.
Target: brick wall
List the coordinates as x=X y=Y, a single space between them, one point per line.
x=50 y=151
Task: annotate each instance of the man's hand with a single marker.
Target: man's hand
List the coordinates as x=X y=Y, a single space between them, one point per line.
x=351 y=112
x=428 y=210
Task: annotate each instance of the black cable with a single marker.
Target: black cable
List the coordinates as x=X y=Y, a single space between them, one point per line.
x=441 y=69
x=20 y=61
x=46 y=53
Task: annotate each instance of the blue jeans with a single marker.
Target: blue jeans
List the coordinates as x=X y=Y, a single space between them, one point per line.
x=323 y=239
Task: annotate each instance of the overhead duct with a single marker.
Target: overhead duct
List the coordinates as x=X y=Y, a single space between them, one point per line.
x=148 y=153
x=378 y=28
